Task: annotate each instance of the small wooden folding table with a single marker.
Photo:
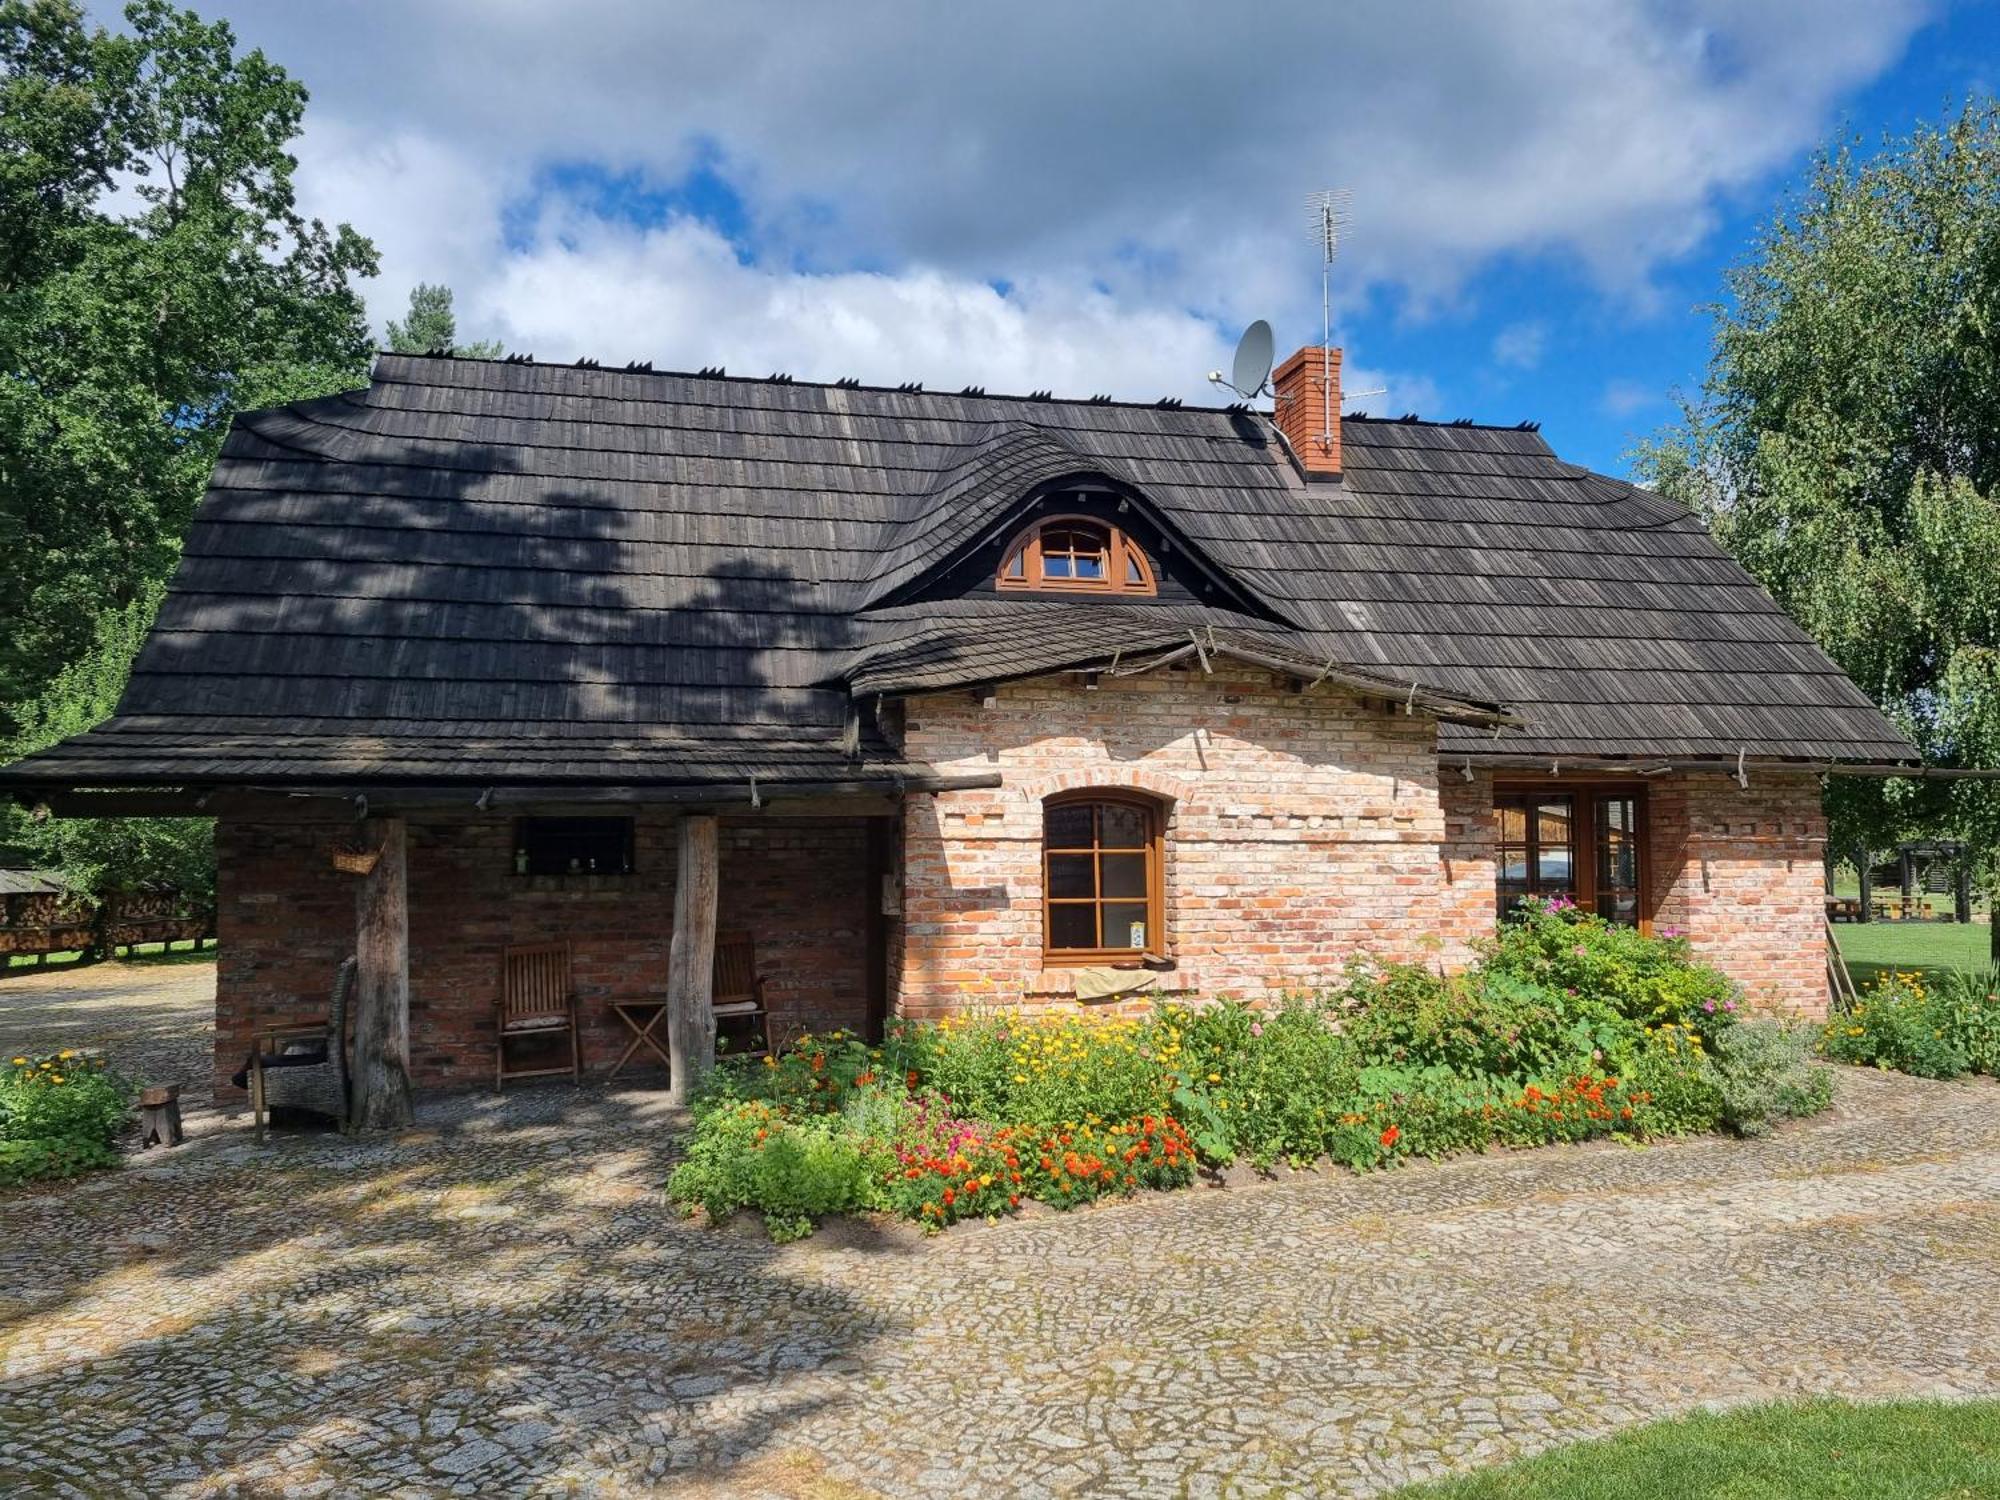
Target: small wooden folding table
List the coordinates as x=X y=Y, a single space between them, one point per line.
x=642 y=1028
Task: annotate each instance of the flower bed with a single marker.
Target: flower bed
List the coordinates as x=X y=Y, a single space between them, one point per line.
x=1567 y=1030
x=1938 y=1025
x=58 y=1116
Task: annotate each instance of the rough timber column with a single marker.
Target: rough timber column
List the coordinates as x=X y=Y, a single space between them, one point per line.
x=691 y=959
x=382 y=991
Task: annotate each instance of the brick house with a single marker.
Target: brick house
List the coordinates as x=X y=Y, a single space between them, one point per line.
x=978 y=700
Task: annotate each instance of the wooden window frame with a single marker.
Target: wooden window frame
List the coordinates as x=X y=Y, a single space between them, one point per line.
x=1120 y=550
x=1585 y=797
x=1155 y=850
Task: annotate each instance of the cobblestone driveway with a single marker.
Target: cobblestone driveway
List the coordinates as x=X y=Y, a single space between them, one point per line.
x=499 y=1303
x=155 y=1022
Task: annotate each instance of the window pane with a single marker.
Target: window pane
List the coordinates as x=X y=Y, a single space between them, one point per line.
x=1089 y=565
x=1513 y=825
x=1017 y=565
x=1124 y=924
x=1123 y=826
x=1073 y=926
x=1552 y=870
x=1125 y=875
x=1620 y=907
x=1132 y=573
x=1514 y=867
x=1067 y=826
x=1552 y=822
x=1054 y=567
x=1070 y=875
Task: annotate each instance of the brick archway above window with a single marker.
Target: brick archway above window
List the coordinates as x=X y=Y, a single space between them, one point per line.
x=1076 y=555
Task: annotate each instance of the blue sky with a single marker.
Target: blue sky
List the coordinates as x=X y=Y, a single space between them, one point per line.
x=1098 y=198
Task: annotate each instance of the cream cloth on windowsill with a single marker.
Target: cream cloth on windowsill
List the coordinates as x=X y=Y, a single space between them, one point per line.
x=1103 y=984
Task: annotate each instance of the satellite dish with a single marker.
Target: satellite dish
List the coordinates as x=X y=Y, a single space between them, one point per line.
x=1253 y=361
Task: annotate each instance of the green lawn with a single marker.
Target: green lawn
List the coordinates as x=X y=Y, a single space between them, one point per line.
x=184 y=952
x=1872 y=948
x=1820 y=1450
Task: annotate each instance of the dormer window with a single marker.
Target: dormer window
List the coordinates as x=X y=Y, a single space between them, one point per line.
x=1075 y=554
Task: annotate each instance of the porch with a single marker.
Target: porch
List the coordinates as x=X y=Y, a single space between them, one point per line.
x=453 y=888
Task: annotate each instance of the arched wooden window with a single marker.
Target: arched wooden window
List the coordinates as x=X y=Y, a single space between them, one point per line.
x=1076 y=554
x=1103 y=887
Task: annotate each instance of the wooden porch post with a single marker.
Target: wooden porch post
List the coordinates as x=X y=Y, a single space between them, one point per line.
x=691 y=959
x=381 y=1079
x=1864 y=864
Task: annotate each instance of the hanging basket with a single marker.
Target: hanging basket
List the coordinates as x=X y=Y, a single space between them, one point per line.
x=350 y=861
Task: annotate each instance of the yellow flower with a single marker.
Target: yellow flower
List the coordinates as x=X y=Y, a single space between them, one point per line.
x=1215 y=1078
x=65 y=1053
x=55 y=1078
x=20 y=1062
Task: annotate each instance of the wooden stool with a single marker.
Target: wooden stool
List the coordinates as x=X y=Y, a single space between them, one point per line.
x=159 y=1115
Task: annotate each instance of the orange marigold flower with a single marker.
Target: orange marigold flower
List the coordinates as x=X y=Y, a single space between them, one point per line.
x=949 y=1197
x=1390 y=1136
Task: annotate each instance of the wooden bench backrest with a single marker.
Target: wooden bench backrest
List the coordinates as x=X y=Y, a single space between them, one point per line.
x=735 y=968
x=534 y=981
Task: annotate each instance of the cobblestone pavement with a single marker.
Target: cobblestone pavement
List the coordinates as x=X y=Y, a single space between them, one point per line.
x=155 y=1022
x=499 y=1303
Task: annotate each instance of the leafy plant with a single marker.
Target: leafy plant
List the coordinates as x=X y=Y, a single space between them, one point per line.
x=1900 y=1023
x=1764 y=1072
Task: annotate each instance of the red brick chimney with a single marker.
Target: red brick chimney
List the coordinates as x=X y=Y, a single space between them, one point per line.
x=1308 y=409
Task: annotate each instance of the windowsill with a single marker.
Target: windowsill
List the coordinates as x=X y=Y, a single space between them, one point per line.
x=1123 y=958
x=573 y=882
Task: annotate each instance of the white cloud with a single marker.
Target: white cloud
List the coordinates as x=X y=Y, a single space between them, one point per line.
x=1520 y=346
x=1136 y=171
x=1624 y=398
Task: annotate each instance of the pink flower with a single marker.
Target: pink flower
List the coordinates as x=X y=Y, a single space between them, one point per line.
x=1256 y=1028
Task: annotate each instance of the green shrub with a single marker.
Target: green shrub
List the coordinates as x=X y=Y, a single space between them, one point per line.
x=1972 y=1003
x=1278 y=1079
x=63 y=1095
x=1900 y=1023
x=750 y=1155
x=1678 y=1090
x=1763 y=1072
x=1649 y=979
x=62 y=1157
x=1489 y=1023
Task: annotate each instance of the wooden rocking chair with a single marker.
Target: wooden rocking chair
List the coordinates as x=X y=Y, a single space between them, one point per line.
x=536 y=1000
x=738 y=990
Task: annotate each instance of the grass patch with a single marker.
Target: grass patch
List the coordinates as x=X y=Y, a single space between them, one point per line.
x=1816 y=1450
x=1873 y=948
x=186 y=951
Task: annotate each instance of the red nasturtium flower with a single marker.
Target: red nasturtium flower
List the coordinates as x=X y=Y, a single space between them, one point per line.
x=1391 y=1136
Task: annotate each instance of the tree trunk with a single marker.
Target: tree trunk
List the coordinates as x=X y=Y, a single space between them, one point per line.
x=691 y=960
x=1864 y=864
x=1961 y=893
x=381 y=1076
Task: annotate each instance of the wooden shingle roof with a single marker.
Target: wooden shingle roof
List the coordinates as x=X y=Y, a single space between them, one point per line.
x=496 y=570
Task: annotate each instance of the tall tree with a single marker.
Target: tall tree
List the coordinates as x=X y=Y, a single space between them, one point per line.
x=430 y=325
x=156 y=277
x=1846 y=448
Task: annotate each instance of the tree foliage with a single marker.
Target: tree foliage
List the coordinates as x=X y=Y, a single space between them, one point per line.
x=1846 y=448
x=103 y=854
x=430 y=325
x=156 y=277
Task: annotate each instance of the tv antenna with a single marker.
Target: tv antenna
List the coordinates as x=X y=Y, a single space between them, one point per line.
x=1329 y=218
x=1252 y=365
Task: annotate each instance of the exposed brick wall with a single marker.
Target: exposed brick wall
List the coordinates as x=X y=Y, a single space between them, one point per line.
x=1302 y=830
x=286 y=918
x=1742 y=873
x=1467 y=868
